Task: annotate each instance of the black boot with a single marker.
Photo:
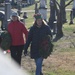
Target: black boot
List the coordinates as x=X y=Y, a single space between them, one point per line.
x=71 y=22
x=41 y=73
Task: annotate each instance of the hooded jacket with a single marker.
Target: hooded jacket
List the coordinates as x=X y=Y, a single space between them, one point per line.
x=16 y=30
x=34 y=36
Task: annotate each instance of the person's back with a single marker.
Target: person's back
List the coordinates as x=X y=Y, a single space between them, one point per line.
x=16 y=29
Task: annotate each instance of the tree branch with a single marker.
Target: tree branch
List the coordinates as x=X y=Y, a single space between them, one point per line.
x=69 y=3
x=58 y=4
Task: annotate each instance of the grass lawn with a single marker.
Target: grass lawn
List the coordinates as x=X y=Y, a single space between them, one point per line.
x=30 y=19
x=61 y=62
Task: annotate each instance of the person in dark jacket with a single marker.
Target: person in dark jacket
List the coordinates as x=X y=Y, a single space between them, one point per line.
x=37 y=31
x=16 y=29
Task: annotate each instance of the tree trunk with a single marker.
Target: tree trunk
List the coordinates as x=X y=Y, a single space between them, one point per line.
x=62 y=3
x=60 y=17
x=36 y=8
x=59 y=23
x=52 y=14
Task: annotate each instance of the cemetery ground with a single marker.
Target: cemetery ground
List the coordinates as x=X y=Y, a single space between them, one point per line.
x=62 y=59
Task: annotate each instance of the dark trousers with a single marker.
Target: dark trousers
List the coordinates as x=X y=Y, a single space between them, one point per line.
x=16 y=53
x=38 y=63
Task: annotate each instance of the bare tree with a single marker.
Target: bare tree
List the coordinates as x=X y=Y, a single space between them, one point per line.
x=52 y=14
x=59 y=12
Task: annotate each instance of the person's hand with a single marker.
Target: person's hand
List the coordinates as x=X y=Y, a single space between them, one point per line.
x=25 y=53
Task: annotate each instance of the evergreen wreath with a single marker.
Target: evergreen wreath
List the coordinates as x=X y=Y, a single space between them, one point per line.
x=45 y=46
x=6 y=40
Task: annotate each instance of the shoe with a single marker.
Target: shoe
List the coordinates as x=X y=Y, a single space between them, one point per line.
x=71 y=22
x=41 y=73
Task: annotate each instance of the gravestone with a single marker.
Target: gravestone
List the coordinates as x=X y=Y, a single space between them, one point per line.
x=7 y=14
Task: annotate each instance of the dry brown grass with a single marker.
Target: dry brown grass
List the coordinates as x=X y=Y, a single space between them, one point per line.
x=63 y=57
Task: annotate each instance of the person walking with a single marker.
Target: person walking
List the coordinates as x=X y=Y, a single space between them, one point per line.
x=17 y=29
x=37 y=31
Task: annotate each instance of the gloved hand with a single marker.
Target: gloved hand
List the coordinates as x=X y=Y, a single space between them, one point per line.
x=25 y=53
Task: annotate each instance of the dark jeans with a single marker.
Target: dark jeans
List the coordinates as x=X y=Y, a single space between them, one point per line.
x=16 y=53
x=72 y=14
x=38 y=63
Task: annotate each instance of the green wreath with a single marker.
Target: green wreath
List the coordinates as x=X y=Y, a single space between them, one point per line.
x=6 y=40
x=45 y=46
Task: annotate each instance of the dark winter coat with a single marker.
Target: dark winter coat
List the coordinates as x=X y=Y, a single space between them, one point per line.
x=34 y=36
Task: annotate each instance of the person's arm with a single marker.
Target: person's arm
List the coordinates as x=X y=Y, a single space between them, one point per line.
x=49 y=32
x=29 y=39
x=25 y=31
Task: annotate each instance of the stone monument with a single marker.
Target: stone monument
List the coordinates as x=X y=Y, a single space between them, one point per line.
x=7 y=14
